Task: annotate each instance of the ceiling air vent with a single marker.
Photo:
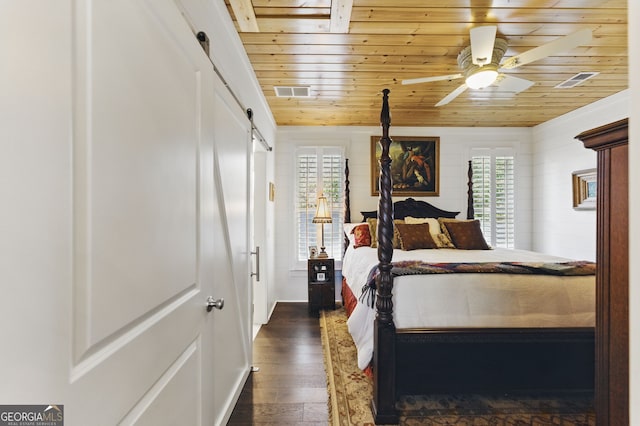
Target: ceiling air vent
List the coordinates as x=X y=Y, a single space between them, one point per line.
x=293 y=91
x=576 y=79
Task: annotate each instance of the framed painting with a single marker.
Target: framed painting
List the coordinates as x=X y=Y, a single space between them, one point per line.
x=415 y=169
x=585 y=186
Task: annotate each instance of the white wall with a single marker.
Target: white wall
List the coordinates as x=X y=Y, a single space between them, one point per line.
x=558 y=228
x=455 y=144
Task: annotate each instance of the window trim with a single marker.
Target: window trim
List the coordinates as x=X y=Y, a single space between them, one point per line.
x=494 y=153
x=319 y=150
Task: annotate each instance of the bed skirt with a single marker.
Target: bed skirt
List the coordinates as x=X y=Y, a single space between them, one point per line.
x=348 y=299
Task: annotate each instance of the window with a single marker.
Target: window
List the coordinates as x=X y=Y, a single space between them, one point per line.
x=319 y=170
x=494 y=195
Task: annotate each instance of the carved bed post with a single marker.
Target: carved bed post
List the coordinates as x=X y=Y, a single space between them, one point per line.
x=384 y=356
x=470 y=212
x=347 y=205
x=347 y=191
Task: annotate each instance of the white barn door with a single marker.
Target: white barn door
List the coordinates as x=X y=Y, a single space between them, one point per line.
x=232 y=342
x=124 y=197
x=260 y=234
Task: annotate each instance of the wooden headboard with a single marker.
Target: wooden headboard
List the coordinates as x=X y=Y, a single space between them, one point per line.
x=413 y=208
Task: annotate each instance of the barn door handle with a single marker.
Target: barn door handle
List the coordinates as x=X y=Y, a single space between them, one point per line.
x=257 y=273
x=213 y=303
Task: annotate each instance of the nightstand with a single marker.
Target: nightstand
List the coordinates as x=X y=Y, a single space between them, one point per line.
x=321 y=284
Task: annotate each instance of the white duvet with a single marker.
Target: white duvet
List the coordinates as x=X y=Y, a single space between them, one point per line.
x=469 y=299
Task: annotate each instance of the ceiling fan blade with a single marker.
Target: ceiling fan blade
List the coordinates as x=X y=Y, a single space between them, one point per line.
x=560 y=45
x=482 y=41
x=451 y=96
x=429 y=79
x=509 y=83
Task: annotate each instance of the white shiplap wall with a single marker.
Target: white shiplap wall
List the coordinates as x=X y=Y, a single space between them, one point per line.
x=557 y=228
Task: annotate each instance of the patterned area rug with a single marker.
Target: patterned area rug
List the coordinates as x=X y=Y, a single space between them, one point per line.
x=350 y=393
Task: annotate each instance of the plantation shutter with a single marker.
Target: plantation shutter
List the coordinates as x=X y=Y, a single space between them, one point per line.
x=306 y=190
x=481 y=178
x=493 y=177
x=332 y=178
x=319 y=170
x=504 y=202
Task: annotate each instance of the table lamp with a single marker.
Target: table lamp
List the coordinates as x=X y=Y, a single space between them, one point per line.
x=323 y=215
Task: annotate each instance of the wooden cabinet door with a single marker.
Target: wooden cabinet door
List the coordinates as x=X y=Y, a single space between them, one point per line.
x=612 y=276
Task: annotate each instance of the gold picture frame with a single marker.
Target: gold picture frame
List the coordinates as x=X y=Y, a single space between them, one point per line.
x=415 y=165
x=585 y=185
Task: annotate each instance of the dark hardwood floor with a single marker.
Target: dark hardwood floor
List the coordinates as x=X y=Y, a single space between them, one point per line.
x=290 y=388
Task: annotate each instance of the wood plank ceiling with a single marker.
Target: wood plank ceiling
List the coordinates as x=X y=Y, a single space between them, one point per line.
x=347 y=51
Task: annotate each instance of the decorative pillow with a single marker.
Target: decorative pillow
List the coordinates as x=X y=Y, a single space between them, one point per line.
x=466 y=234
x=441 y=240
x=348 y=228
x=362 y=236
x=434 y=225
x=373 y=230
x=396 y=233
x=415 y=236
x=443 y=220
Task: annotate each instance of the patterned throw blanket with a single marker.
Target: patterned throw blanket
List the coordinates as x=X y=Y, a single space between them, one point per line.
x=415 y=267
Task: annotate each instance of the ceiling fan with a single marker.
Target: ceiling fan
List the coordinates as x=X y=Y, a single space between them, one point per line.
x=480 y=62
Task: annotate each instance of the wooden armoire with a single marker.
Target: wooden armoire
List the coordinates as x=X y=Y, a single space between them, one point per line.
x=612 y=277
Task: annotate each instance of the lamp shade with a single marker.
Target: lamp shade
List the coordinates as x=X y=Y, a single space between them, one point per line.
x=323 y=214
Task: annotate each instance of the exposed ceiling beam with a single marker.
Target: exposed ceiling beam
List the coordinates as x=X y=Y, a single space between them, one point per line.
x=245 y=15
x=340 y=16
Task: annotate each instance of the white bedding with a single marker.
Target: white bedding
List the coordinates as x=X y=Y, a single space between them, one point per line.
x=469 y=299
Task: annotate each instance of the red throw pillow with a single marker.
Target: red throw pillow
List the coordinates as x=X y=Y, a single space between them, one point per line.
x=361 y=235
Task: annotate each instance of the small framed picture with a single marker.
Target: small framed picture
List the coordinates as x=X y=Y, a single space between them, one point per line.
x=585 y=185
x=321 y=276
x=313 y=252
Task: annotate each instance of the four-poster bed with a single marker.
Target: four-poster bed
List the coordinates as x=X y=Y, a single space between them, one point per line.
x=430 y=359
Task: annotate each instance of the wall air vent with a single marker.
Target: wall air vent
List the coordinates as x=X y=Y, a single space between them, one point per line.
x=576 y=79
x=293 y=91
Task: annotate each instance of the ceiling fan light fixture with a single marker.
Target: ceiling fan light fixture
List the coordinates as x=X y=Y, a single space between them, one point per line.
x=481 y=77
